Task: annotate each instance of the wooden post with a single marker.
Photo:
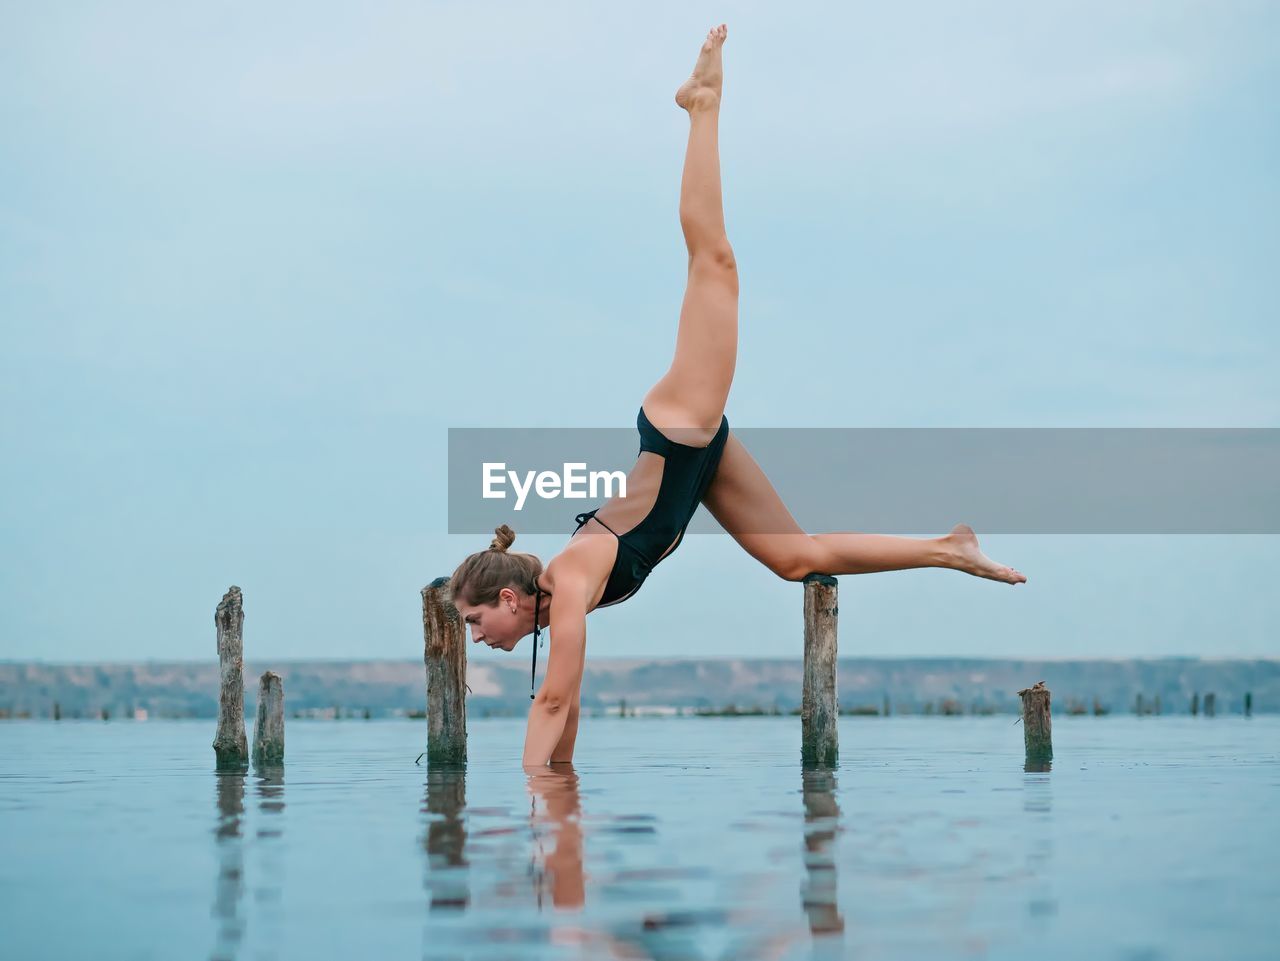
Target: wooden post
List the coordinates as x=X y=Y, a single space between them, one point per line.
x=1195 y=703
x=445 y=654
x=1037 y=732
x=1248 y=704
x=268 y=727
x=230 y=746
x=1210 y=704
x=819 y=710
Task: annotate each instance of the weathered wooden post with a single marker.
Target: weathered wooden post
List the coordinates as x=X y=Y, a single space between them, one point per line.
x=445 y=654
x=1195 y=703
x=230 y=746
x=1248 y=704
x=819 y=711
x=268 y=727
x=1037 y=733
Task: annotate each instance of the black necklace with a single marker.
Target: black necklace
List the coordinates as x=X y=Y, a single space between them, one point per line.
x=537 y=636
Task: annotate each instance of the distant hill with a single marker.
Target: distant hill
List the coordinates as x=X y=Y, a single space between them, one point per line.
x=909 y=685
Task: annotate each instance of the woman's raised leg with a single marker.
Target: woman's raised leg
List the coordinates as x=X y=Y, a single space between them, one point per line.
x=693 y=392
x=745 y=503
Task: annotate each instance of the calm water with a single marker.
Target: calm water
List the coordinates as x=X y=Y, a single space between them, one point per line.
x=673 y=838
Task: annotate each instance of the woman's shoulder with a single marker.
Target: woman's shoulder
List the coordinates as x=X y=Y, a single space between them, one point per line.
x=575 y=562
x=584 y=564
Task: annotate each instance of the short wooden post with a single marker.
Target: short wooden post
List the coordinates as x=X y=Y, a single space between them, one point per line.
x=1195 y=703
x=268 y=727
x=1037 y=730
x=230 y=746
x=819 y=710
x=1248 y=704
x=1210 y=704
x=445 y=653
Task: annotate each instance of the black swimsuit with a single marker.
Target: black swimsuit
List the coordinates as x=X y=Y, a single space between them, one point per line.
x=686 y=475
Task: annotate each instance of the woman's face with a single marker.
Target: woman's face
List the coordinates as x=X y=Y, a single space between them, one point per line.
x=496 y=625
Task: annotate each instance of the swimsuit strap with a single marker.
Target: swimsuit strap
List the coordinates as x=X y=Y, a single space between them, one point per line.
x=591 y=515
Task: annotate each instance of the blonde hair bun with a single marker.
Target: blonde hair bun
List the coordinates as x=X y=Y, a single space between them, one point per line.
x=504 y=538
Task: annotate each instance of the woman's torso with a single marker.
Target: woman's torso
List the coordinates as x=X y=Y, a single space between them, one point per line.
x=619 y=543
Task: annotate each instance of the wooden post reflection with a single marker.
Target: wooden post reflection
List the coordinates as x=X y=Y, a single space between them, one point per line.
x=270 y=786
x=821 y=823
x=229 y=891
x=446 y=837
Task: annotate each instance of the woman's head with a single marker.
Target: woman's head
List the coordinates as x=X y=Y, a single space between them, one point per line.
x=493 y=591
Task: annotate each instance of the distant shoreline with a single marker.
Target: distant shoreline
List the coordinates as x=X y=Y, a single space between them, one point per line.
x=715 y=686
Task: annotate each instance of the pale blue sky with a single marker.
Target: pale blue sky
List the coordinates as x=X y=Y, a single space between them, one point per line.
x=254 y=262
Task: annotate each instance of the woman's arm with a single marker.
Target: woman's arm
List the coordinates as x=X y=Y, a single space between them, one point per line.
x=549 y=715
x=564 y=749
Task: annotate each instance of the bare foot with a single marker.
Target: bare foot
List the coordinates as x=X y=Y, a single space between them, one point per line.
x=702 y=89
x=965 y=556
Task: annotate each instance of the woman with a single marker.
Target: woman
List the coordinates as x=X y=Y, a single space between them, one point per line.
x=687 y=456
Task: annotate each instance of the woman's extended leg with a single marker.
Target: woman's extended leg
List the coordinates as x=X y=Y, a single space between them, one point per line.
x=693 y=392
x=745 y=503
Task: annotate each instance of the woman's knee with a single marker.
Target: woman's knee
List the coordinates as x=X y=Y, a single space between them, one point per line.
x=714 y=256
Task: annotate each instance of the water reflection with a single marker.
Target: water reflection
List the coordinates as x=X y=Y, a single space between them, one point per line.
x=556 y=867
x=447 y=883
x=229 y=890
x=557 y=826
x=821 y=824
x=1037 y=804
x=521 y=882
x=270 y=790
x=268 y=875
